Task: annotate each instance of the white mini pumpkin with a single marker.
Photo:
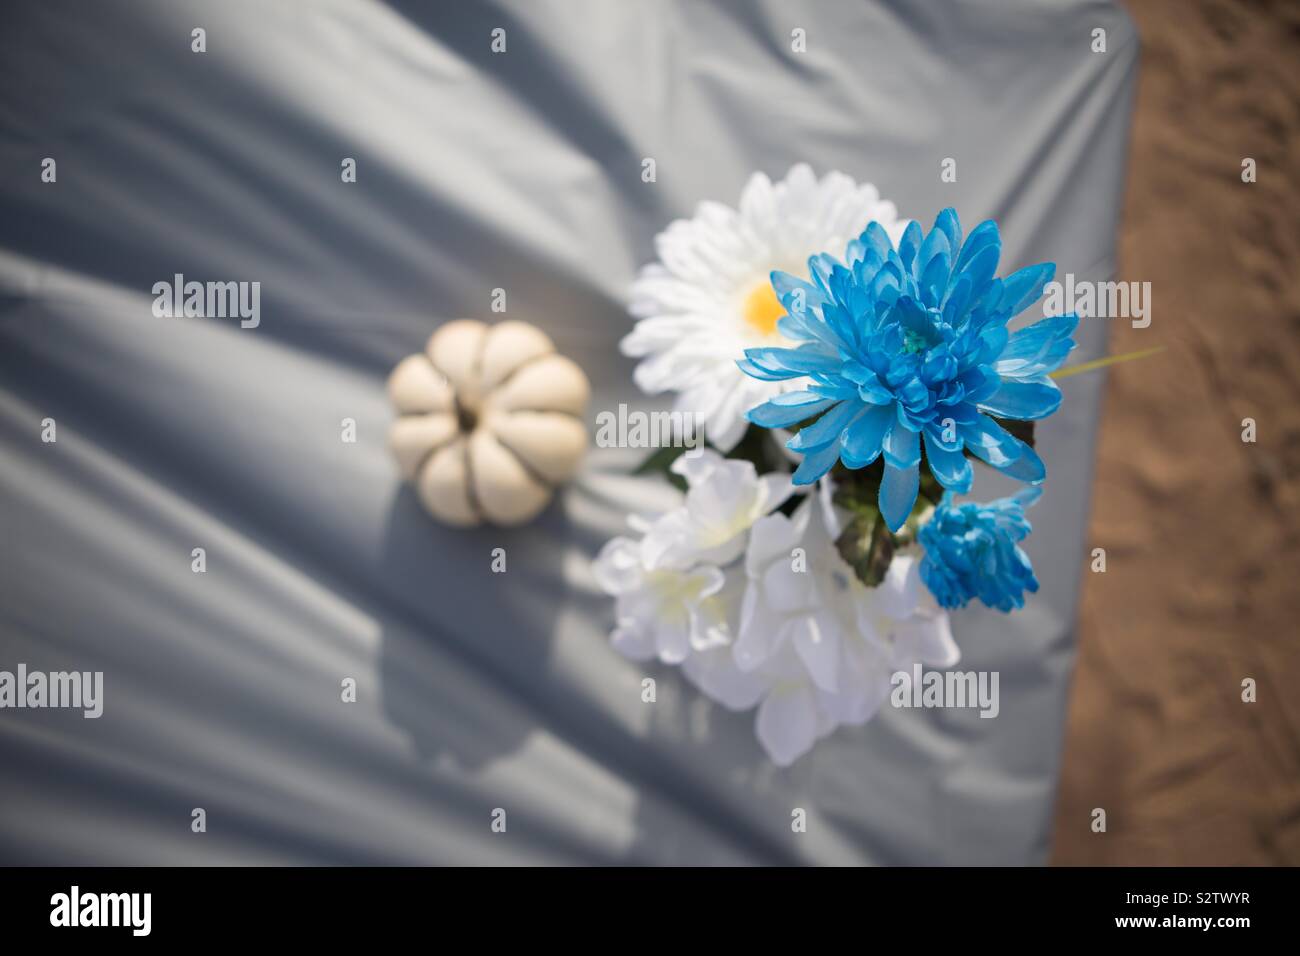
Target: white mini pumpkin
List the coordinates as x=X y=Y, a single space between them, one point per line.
x=490 y=421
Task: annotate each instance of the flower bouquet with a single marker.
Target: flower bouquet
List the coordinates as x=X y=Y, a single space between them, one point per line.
x=818 y=544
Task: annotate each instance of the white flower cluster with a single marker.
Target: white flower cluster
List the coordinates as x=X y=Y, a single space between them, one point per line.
x=759 y=608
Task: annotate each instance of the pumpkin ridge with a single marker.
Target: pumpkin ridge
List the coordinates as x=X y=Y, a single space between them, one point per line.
x=580 y=419
x=470 y=383
x=514 y=371
x=470 y=493
x=476 y=377
x=529 y=470
x=430 y=452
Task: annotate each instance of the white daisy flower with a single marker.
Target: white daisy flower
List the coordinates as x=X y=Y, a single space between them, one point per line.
x=710 y=297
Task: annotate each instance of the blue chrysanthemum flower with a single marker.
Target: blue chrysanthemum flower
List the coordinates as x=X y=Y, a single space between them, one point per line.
x=971 y=551
x=909 y=342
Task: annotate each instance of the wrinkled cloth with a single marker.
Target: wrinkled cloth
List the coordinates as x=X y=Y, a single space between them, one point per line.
x=475 y=690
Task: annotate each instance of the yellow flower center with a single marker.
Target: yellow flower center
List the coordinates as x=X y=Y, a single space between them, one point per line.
x=763 y=309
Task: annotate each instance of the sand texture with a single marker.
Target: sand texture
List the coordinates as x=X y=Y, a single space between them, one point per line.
x=1201 y=530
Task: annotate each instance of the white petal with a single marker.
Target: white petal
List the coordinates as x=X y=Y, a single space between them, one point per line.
x=829 y=513
x=717 y=675
x=725 y=553
x=787 y=724
x=771 y=538
x=757 y=204
x=660 y=373
x=900 y=591
x=705 y=581
x=656 y=333
x=696 y=468
x=785 y=590
x=672 y=641
x=617 y=567
x=865 y=684
x=801 y=182
x=774 y=490
x=927 y=639
x=632 y=642
x=725 y=432
x=664 y=544
x=712 y=613
x=817 y=639
x=725 y=493
x=760 y=633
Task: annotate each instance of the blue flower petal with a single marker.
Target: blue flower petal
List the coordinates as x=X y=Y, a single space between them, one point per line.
x=980 y=382
x=1026 y=401
x=839 y=390
x=981 y=267
x=803 y=360
x=866 y=267
x=985 y=312
x=913 y=316
x=944 y=434
x=1027 y=496
x=870 y=389
x=935 y=244
x=948 y=223
x=804 y=326
x=957 y=305
x=887 y=283
x=875 y=237
x=1022 y=289
x=826 y=429
x=838 y=323
x=902 y=446
x=815 y=464
x=913 y=236
x=762 y=374
x=939 y=367
x=787 y=287
x=898 y=491
x=1027 y=467
x=950 y=468
x=992 y=443
x=1032 y=341
x=992 y=341
x=913 y=394
x=934 y=279
x=782 y=414
x=862 y=440
x=1053 y=359
x=801 y=329
x=803 y=397
x=982 y=237
x=1038 y=349
x=875 y=393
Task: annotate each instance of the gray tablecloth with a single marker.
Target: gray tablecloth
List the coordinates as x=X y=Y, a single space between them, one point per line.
x=476 y=171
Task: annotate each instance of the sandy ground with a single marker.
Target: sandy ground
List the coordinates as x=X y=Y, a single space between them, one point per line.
x=1201 y=530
